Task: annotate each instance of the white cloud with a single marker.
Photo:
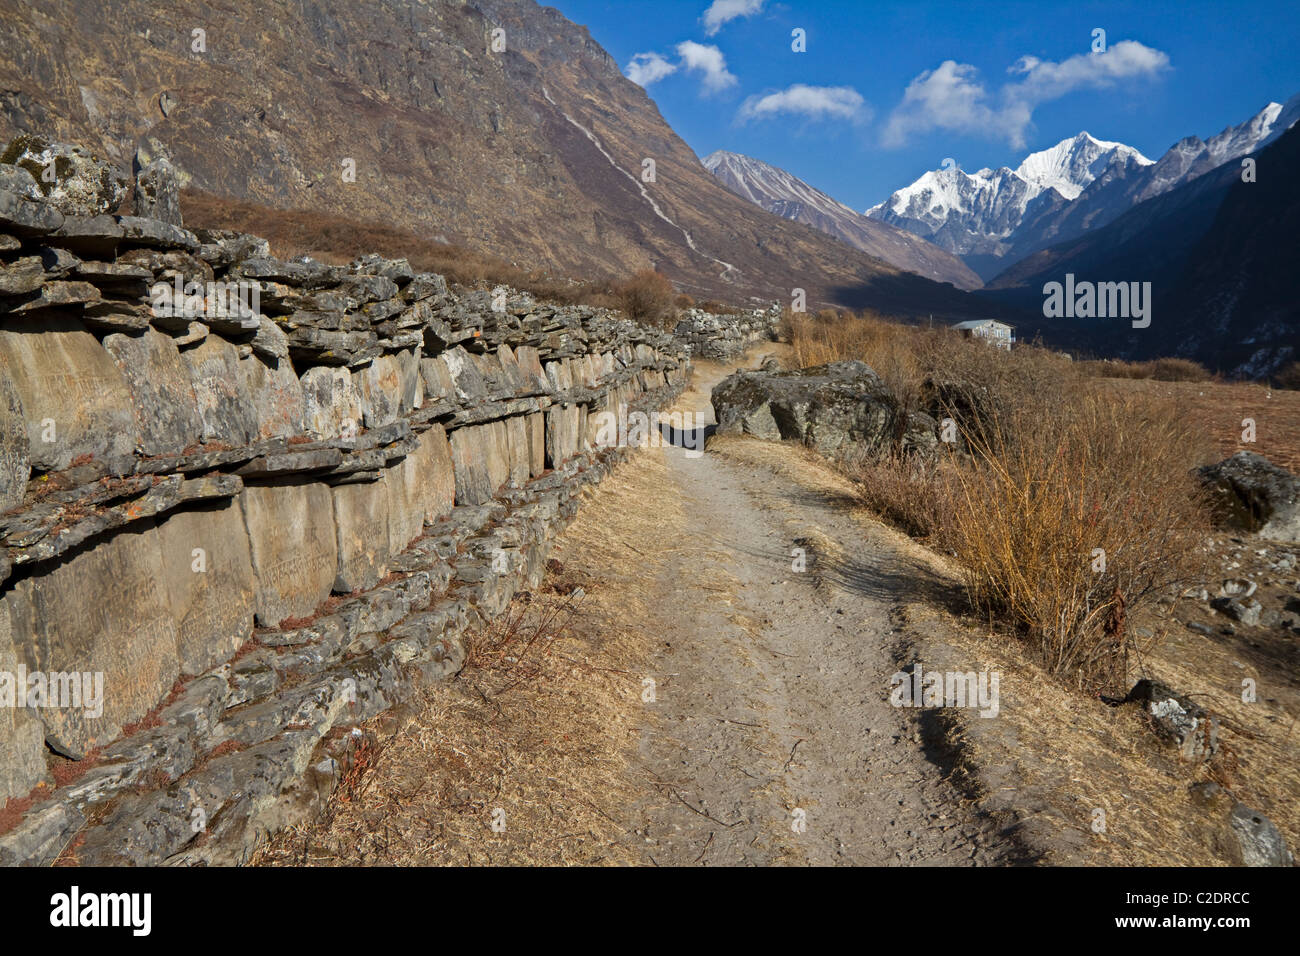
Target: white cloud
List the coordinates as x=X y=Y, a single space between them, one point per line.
x=647 y=68
x=814 y=102
x=723 y=11
x=708 y=60
x=952 y=98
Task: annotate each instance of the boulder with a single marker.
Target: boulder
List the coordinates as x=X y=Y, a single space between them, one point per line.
x=1253 y=493
x=71 y=179
x=1178 y=720
x=1258 y=840
x=842 y=410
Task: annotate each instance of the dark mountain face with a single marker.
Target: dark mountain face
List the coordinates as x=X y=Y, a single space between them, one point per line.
x=534 y=152
x=1220 y=254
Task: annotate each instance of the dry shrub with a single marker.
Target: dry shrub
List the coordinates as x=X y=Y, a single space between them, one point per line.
x=910 y=493
x=1160 y=370
x=1044 y=491
x=898 y=353
x=1287 y=377
x=1049 y=467
x=646 y=297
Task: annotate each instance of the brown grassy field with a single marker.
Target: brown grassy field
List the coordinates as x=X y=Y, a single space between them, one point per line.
x=1217 y=409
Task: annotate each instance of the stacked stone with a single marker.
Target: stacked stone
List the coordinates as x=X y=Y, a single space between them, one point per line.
x=259 y=525
x=721 y=338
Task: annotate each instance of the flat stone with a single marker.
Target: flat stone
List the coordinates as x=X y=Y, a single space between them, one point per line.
x=517 y=440
x=208 y=577
x=155 y=234
x=440 y=481
x=561 y=434
x=332 y=404
x=157 y=193
x=162 y=396
x=55 y=295
x=221 y=391
x=382 y=385
x=104 y=612
x=276 y=396
x=536 y=428
x=361 y=519
x=294 y=548
x=22 y=736
x=481 y=459
x=15 y=464
x=403 y=482
x=22 y=276
x=73 y=395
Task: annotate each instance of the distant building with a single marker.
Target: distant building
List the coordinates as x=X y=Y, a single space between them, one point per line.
x=996 y=333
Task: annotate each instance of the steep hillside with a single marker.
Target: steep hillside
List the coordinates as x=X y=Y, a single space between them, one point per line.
x=788 y=196
x=533 y=153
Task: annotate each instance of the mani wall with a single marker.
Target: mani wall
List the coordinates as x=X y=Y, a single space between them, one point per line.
x=258 y=526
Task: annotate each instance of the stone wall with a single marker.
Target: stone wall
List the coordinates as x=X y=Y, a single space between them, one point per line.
x=257 y=526
x=723 y=337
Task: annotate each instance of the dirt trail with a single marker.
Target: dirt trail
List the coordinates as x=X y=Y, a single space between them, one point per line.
x=770 y=738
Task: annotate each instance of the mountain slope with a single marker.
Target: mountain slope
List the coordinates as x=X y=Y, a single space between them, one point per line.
x=784 y=194
x=1220 y=255
x=534 y=153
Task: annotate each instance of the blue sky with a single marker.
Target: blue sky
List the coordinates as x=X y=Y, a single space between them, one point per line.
x=886 y=91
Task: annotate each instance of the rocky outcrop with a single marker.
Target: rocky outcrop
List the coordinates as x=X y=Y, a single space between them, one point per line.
x=1253 y=493
x=842 y=410
x=250 y=503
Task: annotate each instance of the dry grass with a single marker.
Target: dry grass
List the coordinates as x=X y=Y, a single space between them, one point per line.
x=544 y=722
x=1057 y=471
x=1160 y=370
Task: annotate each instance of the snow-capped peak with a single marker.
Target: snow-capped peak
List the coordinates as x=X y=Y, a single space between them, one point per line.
x=1072 y=164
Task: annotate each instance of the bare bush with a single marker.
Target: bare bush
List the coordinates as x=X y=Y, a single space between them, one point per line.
x=646 y=297
x=1071 y=506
